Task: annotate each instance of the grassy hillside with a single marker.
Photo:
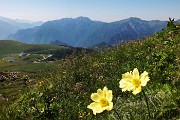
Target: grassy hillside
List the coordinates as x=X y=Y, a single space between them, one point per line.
x=21 y=57
x=64 y=93
x=13 y=47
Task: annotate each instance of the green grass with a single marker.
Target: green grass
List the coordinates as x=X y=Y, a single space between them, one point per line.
x=14 y=47
x=9 y=48
x=26 y=67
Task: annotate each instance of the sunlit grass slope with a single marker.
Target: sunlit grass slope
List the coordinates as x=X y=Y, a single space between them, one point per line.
x=12 y=47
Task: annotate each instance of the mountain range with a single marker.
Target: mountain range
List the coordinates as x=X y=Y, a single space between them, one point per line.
x=9 y=26
x=84 y=32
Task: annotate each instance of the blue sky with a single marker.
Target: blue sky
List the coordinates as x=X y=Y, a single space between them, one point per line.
x=103 y=10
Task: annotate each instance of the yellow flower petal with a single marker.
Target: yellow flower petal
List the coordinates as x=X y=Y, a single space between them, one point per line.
x=100 y=93
x=105 y=90
x=127 y=76
x=136 y=73
x=95 y=107
x=95 y=97
x=144 y=78
x=110 y=107
x=109 y=95
x=137 y=90
x=126 y=85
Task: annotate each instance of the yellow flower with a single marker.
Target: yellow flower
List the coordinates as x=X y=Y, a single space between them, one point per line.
x=102 y=101
x=133 y=81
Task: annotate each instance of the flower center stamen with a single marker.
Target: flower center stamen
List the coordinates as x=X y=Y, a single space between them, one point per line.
x=136 y=82
x=104 y=102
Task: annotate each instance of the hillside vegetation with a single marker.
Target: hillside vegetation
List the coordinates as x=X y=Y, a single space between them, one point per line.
x=65 y=92
x=14 y=47
x=30 y=58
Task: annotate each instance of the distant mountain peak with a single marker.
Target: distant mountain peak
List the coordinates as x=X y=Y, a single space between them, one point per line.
x=133 y=19
x=81 y=18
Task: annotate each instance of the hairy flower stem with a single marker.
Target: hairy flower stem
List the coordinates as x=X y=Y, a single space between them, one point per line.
x=146 y=103
x=117 y=114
